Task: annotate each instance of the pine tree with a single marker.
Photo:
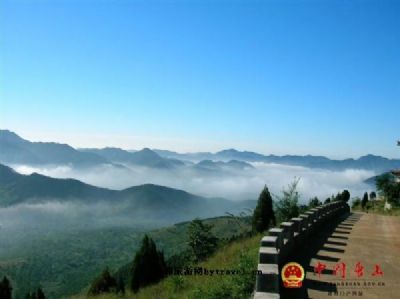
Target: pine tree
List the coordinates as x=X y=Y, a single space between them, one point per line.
x=148 y=265
x=105 y=283
x=40 y=294
x=5 y=289
x=263 y=214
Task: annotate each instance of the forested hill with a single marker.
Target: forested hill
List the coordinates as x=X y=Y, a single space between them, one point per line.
x=146 y=200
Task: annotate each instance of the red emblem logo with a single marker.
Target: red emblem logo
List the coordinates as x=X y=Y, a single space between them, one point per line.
x=292 y=275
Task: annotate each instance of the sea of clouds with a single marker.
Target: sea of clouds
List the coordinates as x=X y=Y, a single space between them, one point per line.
x=234 y=184
x=25 y=220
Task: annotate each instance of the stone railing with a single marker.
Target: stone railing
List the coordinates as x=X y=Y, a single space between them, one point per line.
x=280 y=242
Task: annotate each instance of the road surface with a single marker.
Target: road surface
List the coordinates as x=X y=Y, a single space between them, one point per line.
x=364 y=248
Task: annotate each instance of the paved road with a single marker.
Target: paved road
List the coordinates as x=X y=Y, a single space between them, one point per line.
x=368 y=239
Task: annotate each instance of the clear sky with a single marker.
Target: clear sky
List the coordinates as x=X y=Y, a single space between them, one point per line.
x=282 y=77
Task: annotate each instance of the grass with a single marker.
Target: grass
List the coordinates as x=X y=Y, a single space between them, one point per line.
x=238 y=255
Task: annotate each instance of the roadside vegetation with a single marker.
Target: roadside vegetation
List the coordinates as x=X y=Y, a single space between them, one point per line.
x=183 y=275
x=386 y=202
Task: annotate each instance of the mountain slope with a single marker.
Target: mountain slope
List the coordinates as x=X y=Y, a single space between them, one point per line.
x=144 y=157
x=16 y=150
x=16 y=188
x=368 y=162
x=215 y=166
x=150 y=202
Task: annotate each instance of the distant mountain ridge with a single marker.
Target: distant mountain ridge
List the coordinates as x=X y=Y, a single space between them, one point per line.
x=16 y=150
x=144 y=157
x=368 y=162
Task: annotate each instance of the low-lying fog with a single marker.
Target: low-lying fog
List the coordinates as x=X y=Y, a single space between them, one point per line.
x=234 y=184
x=17 y=222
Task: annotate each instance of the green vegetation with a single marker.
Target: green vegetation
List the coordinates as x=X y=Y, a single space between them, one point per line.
x=105 y=283
x=263 y=214
x=183 y=283
x=389 y=188
x=5 y=288
x=314 y=202
x=148 y=265
x=64 y=264
x=287 y=205
x=201 y=240
x=36 y=295
x=240 y=255
x=364 y=201
x=388 y=201
x=376 y=206
x=344 y=196
x=372 y=195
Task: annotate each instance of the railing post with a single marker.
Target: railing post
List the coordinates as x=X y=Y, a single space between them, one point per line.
x=278 y=245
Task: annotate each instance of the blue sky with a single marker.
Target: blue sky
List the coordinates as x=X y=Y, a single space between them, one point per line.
x=296 y=77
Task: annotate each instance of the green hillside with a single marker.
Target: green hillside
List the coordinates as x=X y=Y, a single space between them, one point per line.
x=145 y=203
x=64 y=264
x=239 y=255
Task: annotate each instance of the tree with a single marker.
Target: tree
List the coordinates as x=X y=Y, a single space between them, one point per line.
x=287 y=204
x=314 y=202
x=387 y=186
x=372 y=195
x=383 y=183
x=105 y=283
x=364 y=200
x=30 y=296
x=345 y=196
x=148 y=265
x=40 y=294
x=202 y=241
x=263 y=214
x=120 y=285
x=5 y=288
x=328 y=200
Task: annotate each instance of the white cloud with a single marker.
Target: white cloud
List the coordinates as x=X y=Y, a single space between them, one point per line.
x=245 y=184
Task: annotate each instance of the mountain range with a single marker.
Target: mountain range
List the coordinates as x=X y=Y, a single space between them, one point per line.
x=367 y=162
x=16 y=150
x=148 y=201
